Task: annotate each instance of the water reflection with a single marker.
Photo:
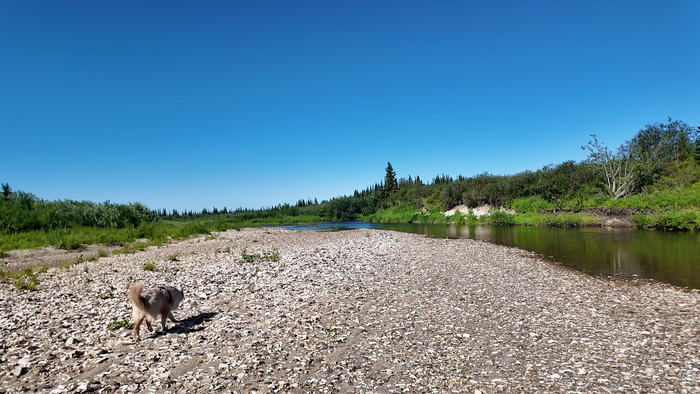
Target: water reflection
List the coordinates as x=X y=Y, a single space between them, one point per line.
x=669 y=257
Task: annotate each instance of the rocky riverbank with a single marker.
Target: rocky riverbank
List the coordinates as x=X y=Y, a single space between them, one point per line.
x=273 y=310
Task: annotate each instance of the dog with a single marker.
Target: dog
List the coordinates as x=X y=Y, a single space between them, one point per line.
x=149 y=303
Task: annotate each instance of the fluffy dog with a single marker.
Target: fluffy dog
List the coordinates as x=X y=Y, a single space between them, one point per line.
x=149 y=303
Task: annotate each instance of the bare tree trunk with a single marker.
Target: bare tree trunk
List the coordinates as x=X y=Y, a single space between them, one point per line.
x=617 y=166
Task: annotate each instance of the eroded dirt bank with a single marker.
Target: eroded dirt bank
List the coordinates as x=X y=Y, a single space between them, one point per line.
x=352 y=311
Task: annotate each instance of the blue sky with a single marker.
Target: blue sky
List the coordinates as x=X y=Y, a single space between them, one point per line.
x=191 y=105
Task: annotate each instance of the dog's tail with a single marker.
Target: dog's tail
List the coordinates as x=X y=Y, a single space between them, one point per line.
x=134 y=295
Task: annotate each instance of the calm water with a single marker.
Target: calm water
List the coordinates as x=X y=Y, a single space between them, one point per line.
x=670 y=257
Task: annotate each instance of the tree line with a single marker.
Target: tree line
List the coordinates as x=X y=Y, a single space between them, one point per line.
x=661 y=156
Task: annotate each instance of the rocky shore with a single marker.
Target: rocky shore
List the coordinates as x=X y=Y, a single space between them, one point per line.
x=364 y=311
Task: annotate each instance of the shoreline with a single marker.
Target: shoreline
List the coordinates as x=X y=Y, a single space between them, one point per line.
x=351 y=311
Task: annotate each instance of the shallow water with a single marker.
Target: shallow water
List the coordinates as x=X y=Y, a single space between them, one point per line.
x=670 y=257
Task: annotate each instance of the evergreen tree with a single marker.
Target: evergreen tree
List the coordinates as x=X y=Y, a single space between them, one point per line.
x=390 y=183
x=6 y=191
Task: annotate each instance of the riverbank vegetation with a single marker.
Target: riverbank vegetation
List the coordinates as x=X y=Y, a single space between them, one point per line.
x=28 y=222
x=651 y=181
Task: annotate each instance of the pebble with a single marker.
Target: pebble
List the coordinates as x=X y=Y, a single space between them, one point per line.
x=358 y=311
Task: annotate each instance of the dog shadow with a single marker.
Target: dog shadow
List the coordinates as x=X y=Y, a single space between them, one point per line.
x=189 y=325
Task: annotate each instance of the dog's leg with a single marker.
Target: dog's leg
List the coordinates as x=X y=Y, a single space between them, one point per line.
x=171 y=317
x=137 y=327
x=163 y=318
x=148 y=324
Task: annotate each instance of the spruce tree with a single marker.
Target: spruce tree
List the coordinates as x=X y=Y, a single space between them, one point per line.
x=390 y=184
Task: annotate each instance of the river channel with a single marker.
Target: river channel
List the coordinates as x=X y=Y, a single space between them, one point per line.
x=670 y=257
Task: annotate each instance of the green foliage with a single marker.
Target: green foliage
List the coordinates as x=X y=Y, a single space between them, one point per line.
x=349 y=208
x=401 y=213
x=102 y=253
x=389 y=188
x=659 y=147
x=531 y=204
x=117 y=324
x=251 y=258
x=269 y=256
x=683 y=220
x=616 y=164
x=22 y=211
x=248 y=258
x=501 y=218
x=149 y=267
x=461 y=218
x=27 y=279
x=656 y=172
x=663 y=199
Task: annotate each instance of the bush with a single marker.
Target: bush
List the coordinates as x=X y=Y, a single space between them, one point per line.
x=683 y=220
x=531 y=204
x=688 y=219
x=501 y=218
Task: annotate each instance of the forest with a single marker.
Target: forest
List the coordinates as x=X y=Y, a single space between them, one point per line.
x=652 y=179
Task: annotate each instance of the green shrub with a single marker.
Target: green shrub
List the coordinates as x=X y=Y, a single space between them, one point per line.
x=531 y=204
x=149 y=267
x=641 y=220
x=501 y=218
x=687 y=220
x=682 y=220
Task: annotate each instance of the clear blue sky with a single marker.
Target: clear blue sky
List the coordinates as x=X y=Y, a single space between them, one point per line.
x=191 y=105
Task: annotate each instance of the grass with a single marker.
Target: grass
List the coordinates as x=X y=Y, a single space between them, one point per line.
x=566 y=219
x=157 y=233
x=27 y=279
x=131 y=239
x=251 y=258
x=117 y=324
x=149 y=267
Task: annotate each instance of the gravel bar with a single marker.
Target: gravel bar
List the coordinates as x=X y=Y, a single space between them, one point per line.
x=357 y=311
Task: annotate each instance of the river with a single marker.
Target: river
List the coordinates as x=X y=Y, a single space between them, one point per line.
x=670 y=257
